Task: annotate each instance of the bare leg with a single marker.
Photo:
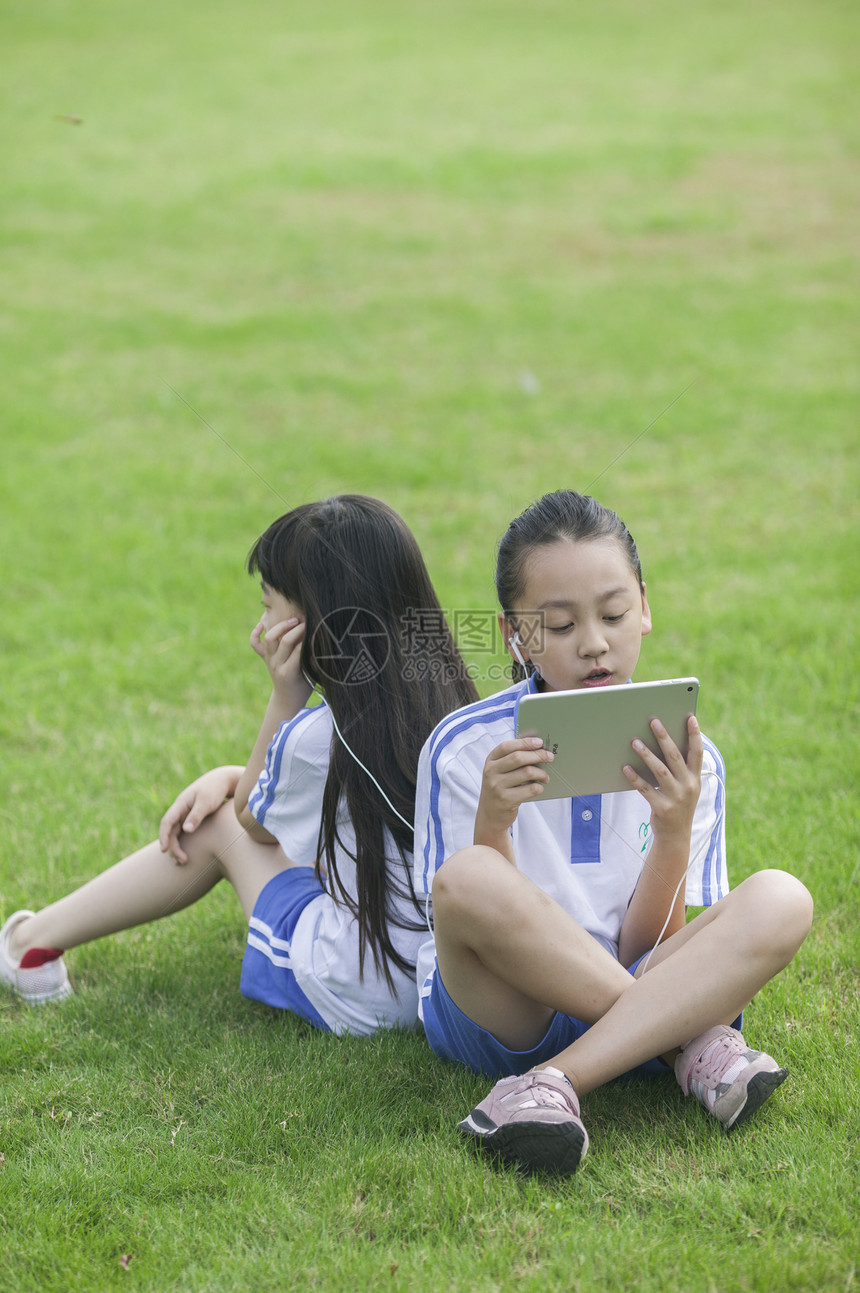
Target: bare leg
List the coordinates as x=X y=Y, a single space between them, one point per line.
x=721 y=961
x=149 y=884
x=509 y=957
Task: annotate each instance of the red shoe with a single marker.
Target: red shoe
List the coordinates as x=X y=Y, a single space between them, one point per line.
x=41 y=976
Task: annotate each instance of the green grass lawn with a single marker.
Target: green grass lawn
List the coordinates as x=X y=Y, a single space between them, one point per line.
x=454 y=255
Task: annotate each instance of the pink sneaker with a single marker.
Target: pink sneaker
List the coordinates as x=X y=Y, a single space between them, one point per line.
x=42 y=977
x=532 y=1121
x=724 y=1075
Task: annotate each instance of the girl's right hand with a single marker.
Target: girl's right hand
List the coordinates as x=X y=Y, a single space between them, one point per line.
x=281 y=648
x=514 y=774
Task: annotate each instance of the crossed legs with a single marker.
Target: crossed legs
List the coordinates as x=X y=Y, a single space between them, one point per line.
x=510 y=957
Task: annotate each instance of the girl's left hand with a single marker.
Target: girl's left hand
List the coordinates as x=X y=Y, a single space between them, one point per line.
x=192 y=806
x=679 y=781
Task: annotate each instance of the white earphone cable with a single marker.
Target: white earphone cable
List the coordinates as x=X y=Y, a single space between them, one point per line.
x=690 y=865
x=409 y=825
x=354 y=756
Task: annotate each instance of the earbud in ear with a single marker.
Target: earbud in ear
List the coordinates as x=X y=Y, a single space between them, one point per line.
x=515 y=647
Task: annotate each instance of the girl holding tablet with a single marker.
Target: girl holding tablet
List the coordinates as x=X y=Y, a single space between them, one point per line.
x=561 y=958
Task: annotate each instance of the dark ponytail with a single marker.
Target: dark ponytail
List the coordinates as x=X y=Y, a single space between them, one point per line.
x=561 y=515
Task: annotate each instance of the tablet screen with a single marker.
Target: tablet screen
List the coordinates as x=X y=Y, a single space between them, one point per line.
x=590 y=731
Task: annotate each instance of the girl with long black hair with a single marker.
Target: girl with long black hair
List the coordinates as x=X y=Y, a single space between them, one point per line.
x=314 y=832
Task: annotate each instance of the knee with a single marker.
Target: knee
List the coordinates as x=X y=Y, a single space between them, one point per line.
x=470 y=881
x=216 y=831
x=783 y=905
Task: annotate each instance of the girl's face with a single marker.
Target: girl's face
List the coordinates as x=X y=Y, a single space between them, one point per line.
x=277 y=608
x=582 y=615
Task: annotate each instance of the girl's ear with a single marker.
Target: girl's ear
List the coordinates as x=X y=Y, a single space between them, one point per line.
x=646 y=614
x=509 y=633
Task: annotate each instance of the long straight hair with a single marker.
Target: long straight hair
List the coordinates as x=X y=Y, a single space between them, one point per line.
x=378 y=646
x=563 y=514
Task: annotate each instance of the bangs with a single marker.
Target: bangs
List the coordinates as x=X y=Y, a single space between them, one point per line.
x=276 y=556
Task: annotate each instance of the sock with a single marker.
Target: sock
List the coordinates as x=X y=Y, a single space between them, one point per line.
x=38 y=956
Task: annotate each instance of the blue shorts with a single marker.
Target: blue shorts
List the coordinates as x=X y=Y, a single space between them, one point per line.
x=267 y=975
x=454 y=1036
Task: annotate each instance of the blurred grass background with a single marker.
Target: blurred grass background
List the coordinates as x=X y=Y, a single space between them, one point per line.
x=454 y=255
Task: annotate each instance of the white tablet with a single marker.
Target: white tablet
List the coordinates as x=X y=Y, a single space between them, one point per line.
x=590 y=731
